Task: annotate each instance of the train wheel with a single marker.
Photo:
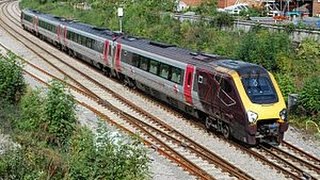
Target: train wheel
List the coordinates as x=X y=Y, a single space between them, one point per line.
x=208 y=123
x=226 y=131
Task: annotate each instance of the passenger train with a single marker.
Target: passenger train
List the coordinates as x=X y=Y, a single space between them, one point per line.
x=238 y=99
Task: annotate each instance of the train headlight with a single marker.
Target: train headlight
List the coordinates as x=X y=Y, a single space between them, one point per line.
x=252 y=117
x=283 y=114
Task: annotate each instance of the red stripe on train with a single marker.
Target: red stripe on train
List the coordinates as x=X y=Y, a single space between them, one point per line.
x=105 y=52
x=188 y=81
x=118 y=57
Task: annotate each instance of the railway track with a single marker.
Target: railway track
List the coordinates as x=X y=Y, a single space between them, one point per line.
x=176 y=143
x=287 y=167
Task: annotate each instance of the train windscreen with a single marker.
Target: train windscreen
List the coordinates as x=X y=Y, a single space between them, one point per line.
x=260 y=89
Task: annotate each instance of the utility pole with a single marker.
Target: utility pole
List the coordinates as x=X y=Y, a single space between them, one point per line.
x=120 y=15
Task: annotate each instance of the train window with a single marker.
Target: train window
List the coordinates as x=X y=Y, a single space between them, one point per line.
x=68 y=35
x=154 y=66
x=217 y=78
x=110 y=50
x=83 y=40
x=164 y=71
x=176 y=75
x=260 y=89
x=40 y=23
x=78 y=39
x=135 y=60
x=225 y=85
x=101 y=46
x=73 y=37
x=28 y=18
x=88 y=42
x=144 y=63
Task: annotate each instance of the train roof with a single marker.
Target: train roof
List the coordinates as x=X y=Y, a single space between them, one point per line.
x=203 y=60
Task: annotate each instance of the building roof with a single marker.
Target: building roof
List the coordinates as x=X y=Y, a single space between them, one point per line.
x=192 y=2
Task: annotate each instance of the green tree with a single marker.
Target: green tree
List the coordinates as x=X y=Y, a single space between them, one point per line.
x=223 y=19
x=263 y=47
x=307 y=61
x=60 y=114
x=207 y=8
x=12 y=84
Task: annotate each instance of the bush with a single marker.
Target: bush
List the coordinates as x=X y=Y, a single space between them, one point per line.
x=262 y=47
x=60 y=114
x=286 y=84
x=32 y=162
x=84 y=155
x=12 y=84
x=106 y=155
x=307 y=61
x=32 y=112
x=223 y=19
x=310 y=95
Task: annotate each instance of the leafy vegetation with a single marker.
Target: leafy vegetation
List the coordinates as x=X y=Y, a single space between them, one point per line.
x=11 y=79
x=51 y=145
x=262 y=47
x=60 y=114
x=310 y=95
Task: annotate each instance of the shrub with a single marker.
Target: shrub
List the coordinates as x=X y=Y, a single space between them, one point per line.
x=60 y=114
x=223 y=19
x=107 y=156
x=32 y=162
x=262 y=47
x=307 y=61
x=310 y=95
x=286 y=84
x=32 y=111
x=12 y=84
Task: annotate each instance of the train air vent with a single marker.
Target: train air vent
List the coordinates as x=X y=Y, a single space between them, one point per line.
x=202 y=58
x=57 y=17
x=107 y=32
x=213 y=56
x=130 y=38
x=100 y=28
x=232 y=64
x=35 y=11
x=194 y=53
x=162 y=45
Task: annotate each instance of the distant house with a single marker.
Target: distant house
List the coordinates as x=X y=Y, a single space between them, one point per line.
x=185 y=4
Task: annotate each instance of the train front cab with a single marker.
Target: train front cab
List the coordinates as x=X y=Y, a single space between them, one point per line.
x=265 y=109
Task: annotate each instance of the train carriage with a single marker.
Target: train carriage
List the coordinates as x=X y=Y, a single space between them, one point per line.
x=239 y=99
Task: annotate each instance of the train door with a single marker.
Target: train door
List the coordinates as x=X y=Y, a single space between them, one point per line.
x=106 y=49
x=117 y=57
x=35 y=22
x=188 y=82
x=62 y=34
